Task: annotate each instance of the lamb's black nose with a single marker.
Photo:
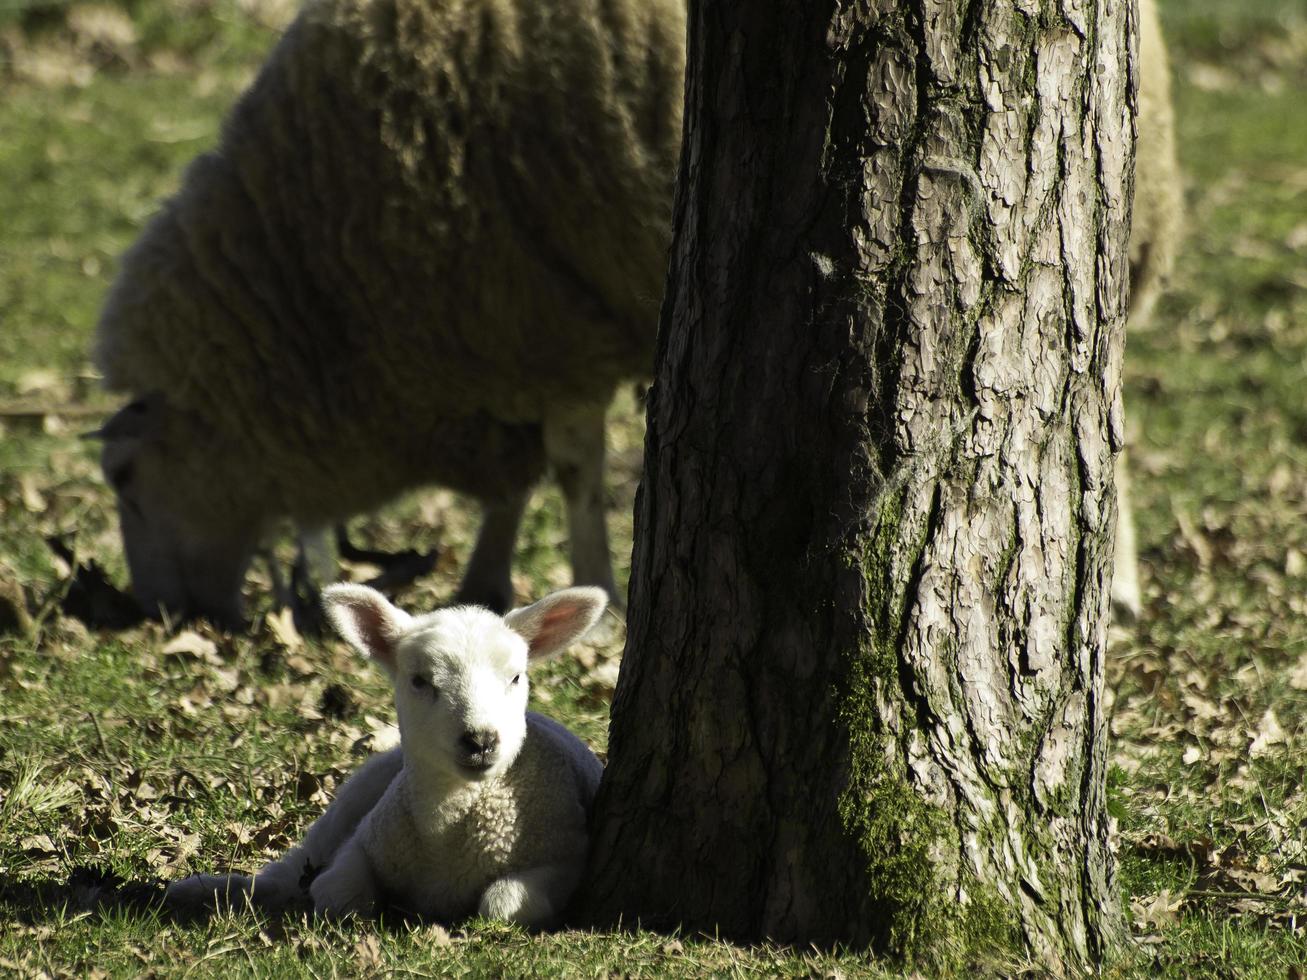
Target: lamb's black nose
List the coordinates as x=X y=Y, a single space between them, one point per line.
x=474 y=743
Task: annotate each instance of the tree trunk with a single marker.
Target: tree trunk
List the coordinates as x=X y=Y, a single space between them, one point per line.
x=862 y=693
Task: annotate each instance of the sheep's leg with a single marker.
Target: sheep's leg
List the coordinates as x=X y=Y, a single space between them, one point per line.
x=1126 y=597
x=209 y=891
x=348 y=886
x=574 y=445
x=488 y=580
x=534 y=897
x=286 y=879
x=315 y=564
x=282 y=882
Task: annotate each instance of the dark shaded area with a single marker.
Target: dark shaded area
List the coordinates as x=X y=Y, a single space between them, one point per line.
x=90 y=596
x=398 y=568
x=32 y=901
x=303 y=596
x=85 y=889
x=338 y=702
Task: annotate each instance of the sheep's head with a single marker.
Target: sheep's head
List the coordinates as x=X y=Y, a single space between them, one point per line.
x=460 y=673
x=188 y=544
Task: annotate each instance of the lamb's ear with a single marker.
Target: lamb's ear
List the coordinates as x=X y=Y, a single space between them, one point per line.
x=367 y=621
x=558 y=620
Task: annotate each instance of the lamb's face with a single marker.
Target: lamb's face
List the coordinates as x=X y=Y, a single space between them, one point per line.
x=187 y=546
x=460 y=674
x=461 y=693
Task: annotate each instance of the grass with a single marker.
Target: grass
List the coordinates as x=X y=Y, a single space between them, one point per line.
x=216 y=750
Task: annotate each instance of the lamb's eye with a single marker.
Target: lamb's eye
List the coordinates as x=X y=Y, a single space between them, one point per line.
x=516 y=679
x=420 y=683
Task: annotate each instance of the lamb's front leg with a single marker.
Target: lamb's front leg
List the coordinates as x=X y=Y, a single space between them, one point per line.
x=348 y=887
x=280 y=884
x=275 y=888
x=202 y=891
x=534 y=897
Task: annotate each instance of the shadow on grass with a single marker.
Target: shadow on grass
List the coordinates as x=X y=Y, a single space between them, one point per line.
x=84 y=889
x=34 y=901
x=91 y=597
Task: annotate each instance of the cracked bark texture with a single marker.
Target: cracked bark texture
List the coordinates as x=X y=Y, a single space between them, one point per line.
x=862 y=694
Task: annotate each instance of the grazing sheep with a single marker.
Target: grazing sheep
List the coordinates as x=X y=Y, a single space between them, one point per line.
x=429 y=246
x=483 y=806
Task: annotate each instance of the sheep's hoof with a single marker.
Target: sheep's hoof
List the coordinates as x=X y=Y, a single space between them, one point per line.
x=336 y=897
x=1127 y=603
x=207 y=891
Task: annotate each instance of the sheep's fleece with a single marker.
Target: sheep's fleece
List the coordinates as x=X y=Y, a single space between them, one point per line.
x=430 y=244
x=1154 y=239
x=482 y=808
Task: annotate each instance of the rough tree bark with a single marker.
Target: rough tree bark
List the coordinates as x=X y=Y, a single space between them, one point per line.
x=861 y=699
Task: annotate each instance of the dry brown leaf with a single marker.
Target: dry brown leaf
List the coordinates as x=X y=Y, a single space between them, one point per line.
x=226 y=679
x=281 y=624
x=603 y=677
x=1294 y=563
x=1156 y=911
x=38 y=844
x=102 y=26
x=381 y=736
x=302 y=666
x=367 y=954
x=1298 y=676
x=432 y=936
x=30 y=494
x=1269 y=734
x=43 y=382
x=190 y=644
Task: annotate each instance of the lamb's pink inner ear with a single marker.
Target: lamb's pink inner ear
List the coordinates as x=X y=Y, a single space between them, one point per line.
x=366 y=620
x=554 y=626
x=557 y=621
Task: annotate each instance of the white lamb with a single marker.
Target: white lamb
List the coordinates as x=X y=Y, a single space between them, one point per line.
x=483 y=806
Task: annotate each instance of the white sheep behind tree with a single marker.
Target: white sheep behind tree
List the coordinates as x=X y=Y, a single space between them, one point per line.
x=484 y=805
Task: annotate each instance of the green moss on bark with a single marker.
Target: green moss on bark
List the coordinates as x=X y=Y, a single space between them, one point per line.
x=908 y=844
x=898 y=832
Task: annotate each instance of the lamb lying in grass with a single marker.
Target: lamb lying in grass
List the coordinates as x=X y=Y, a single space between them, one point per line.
x=482 y=807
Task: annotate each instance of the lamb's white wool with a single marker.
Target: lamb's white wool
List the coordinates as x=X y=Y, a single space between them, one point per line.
x=483 y=806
